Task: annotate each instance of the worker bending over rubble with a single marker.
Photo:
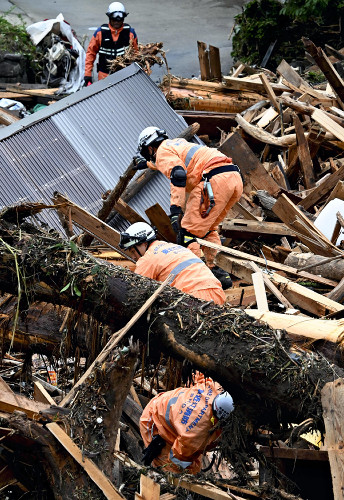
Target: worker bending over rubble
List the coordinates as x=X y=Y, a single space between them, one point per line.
x=157 y=259
x=179 y=426
x=109 y=41
x=210 y=179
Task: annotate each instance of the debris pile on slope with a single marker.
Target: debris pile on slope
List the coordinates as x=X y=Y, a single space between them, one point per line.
x=146 y=56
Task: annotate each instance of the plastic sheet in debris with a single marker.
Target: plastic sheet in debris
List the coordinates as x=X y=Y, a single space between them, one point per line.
x=38 y=31
x=11 y=105
x=327 y=219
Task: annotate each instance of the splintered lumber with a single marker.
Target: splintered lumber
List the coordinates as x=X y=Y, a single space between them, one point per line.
x=327 y=68
x=332 y=397
x=338 y=292
x=149 y=489
x=259 y=290
x=114 y=294
x=205 y=489
x=127 y=212
x=299 y=295
x=237 y=228
x=253 y=171
x=269 y=90
x=323 y=189
x=215 y=63
x=304 y=155
x=328 y=123
x=301 y=326
x=305 y=230
x=41 y=395
x=263 y=136
x=268 y=263
x=295 y=81
x=240 y=296
x=271 y=286
x=97 y=476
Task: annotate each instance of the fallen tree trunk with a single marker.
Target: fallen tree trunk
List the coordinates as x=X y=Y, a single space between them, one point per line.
x=248 y=359
x=329 y=269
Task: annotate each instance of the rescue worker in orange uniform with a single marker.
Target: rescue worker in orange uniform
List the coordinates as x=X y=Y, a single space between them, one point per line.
x=109 y=41
x=178 y=427
x=157 y=259
x=209 y=178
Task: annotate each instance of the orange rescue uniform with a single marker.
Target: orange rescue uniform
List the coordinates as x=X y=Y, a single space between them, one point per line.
x=95 y=44
x=227 y=188
x=191 y=274
x=184 y=419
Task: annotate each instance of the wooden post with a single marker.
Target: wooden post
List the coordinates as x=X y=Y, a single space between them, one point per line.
x=332 y=398
x=203 y=57
x=215 y=63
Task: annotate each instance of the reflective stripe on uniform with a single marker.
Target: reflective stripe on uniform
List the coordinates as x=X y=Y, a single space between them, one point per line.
x=180 y=267
x=176 y=461
x=169 y=404
x=190 y=154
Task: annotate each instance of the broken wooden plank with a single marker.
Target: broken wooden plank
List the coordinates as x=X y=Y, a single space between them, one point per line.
x=242 y=84
x=89 y=223
x=240 y=296
x=41 y=395
x=97 y=476
x=323 y=189
x=149 y=489
x=161 y=221
x=235 y=227
x=306 y=231
x=7 y=118
x=203 y=57
x=259 y=290
x=127 y=212
x=328 y=124
x=297 y=82
x=332 y=398
x=10 y=402
x=295 y=453
x=327 y=68
x=215 y=63
x=236 y=148
x=270 y=91
x=304 y=155
x=271 y=287
x=246 y=213
x=4 y=387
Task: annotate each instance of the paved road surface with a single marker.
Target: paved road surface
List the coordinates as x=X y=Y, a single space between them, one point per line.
x=177 y=23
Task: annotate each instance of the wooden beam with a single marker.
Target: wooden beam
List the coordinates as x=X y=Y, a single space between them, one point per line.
x=41 y=395
x=149 y=489
x=295 y=453
x=127 y=212
x=332 y=398
x=328 y=124
x=161 y=221
x=95 y=474
x=4 y=387
x=271 y=287
x=233 y=228
x=10 y=402
x=270 y=91
x=7 y=118
x=243 y=84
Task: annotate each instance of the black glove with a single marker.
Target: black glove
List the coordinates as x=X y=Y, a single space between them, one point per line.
x=153 y=450
x=175 y=217
x=140 y=163
x=87 y=80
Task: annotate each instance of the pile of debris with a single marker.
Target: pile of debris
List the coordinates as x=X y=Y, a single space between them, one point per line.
x=146 y=56
x=114 y=339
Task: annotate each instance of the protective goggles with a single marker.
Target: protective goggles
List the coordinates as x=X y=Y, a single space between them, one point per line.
x=117 y=16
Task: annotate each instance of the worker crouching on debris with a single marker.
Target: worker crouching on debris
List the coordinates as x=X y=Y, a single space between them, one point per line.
x=109 y=41
x=210 y=179
x=179 y=426
x=157 y=259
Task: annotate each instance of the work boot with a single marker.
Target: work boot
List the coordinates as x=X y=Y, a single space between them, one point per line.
x=223 y=277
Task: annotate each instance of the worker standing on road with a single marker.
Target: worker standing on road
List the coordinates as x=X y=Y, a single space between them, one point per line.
x=210 y=179
x=179 y=426
x=157 y=259
x=109 y=41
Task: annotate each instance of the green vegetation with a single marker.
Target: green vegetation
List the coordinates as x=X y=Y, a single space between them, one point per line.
x=264 y=22
x=14 y=39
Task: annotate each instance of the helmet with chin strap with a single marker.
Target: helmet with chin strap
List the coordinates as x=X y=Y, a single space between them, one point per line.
x=116 y=9
x=150 y=136
x=137 y=233
x=223 y=405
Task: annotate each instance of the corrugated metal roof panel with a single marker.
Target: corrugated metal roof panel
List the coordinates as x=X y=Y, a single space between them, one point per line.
x=82 y=144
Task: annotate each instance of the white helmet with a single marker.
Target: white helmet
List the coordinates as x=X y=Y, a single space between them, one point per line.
x=149 y=135
x=116 y=9
x=223 y=405
x=137 y=233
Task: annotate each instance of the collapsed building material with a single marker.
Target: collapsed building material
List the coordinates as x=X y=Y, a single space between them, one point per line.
x=145 y=56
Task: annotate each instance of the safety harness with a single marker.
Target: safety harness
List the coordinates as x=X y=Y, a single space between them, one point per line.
x=109 y=49
x=207 y=196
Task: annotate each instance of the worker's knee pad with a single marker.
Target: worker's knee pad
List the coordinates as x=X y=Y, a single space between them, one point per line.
x=178 y=176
